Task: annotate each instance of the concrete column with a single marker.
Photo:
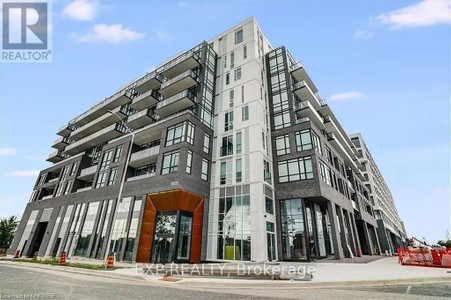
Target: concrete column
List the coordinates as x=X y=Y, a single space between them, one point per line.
x=344 y=240
x=335 y=231
x=368 y=239
x=354 y=230
x=378 y=244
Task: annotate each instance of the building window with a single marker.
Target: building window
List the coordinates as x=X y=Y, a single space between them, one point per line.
x=227 y=78
x=101 y=179
x=266 y=172
x=73 y=169
x=325 y=173
x=238 y=36
x=117 y=154
x=223 y=173
x=328 y=154
x=263 y=140
x=306 y=140
x=282 y=120
x=283 y=145
x=232 y=59
x=237 y=74
x=295 y=169
x=225 y=61
x=207 y=143
x=238 y=143
x=112 y=177
x=170 y=162
x=106 y=159
x=228 y=121
x=269 y=206
x=227 y=145
x=234 y=228
x=242 y=94
x=239 y=172
x=183 y=132
x=231 y=97
x=244 y=52
x=204 y=173
x=189 y=162
x=280 y=102
x=68 y=188
x=245 y=113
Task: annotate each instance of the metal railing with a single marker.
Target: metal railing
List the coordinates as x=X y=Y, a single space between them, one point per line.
x=187 y=93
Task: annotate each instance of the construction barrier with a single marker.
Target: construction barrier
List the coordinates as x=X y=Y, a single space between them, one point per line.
x=425 y=257
x=110 y=261
x=17 y=254
x=63 y=258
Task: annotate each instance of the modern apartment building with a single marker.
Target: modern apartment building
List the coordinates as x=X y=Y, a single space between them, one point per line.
x=224 y=152
x=390 y=228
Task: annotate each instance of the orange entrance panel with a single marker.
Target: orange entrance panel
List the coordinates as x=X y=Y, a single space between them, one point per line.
x=171 y=200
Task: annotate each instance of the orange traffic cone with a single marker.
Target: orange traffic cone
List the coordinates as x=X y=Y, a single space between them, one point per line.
x=16 y=255
x=63 y=259
x=110 y=261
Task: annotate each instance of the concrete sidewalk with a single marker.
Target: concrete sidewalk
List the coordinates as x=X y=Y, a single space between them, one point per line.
x=382 y=271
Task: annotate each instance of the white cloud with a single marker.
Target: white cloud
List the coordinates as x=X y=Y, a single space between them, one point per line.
x=163 y=35
x=35 y=157
x=110 y=33
x=347 y=95
x=363 y=34
x=424 y=13
x=8 y=151
x=81 y=10
x=31 y=173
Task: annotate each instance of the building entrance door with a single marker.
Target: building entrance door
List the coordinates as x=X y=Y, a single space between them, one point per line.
x=172 y=239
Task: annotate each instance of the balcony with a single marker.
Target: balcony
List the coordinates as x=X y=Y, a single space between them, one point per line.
x=147 y=99
x=180 y=64
x=120 y=98
x=47 y=197
x=148 y=82
x=179 y=83
x=105 y=134
x=85 y=189
x=51 y=183
x=87 y=174
x=103 y=121
x=66 y=130
x=141 y=119
x=306 y=110
x=144 y=157
x=61 y=143
x=144 y=176
x=332 y=138
x=304 y=92
x=299 y=73
x=57 y=156
x=176 y=103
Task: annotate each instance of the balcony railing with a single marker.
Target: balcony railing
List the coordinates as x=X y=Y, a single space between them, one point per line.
x=66 y=129
x=176 y=61
x=176 y=103
x=146 y=99
x=180 y=82
x=61 y=143
x=57 y=156
x=144 y=176
x=88 y=188
x=90 y=171
x=226 y=150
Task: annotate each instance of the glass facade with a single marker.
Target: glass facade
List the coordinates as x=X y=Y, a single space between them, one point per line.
x=293 y=231
x=87 y=229
x=103 y=228
x=234 y=224
x=119 y=233
x=133 y=230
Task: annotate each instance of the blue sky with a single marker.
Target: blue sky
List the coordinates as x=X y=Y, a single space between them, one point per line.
x=383 y=67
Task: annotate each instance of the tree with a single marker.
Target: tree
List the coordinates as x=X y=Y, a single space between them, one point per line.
x=447 y=243
x=8 y=227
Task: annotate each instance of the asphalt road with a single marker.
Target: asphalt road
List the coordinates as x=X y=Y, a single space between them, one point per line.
x=18 y=281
